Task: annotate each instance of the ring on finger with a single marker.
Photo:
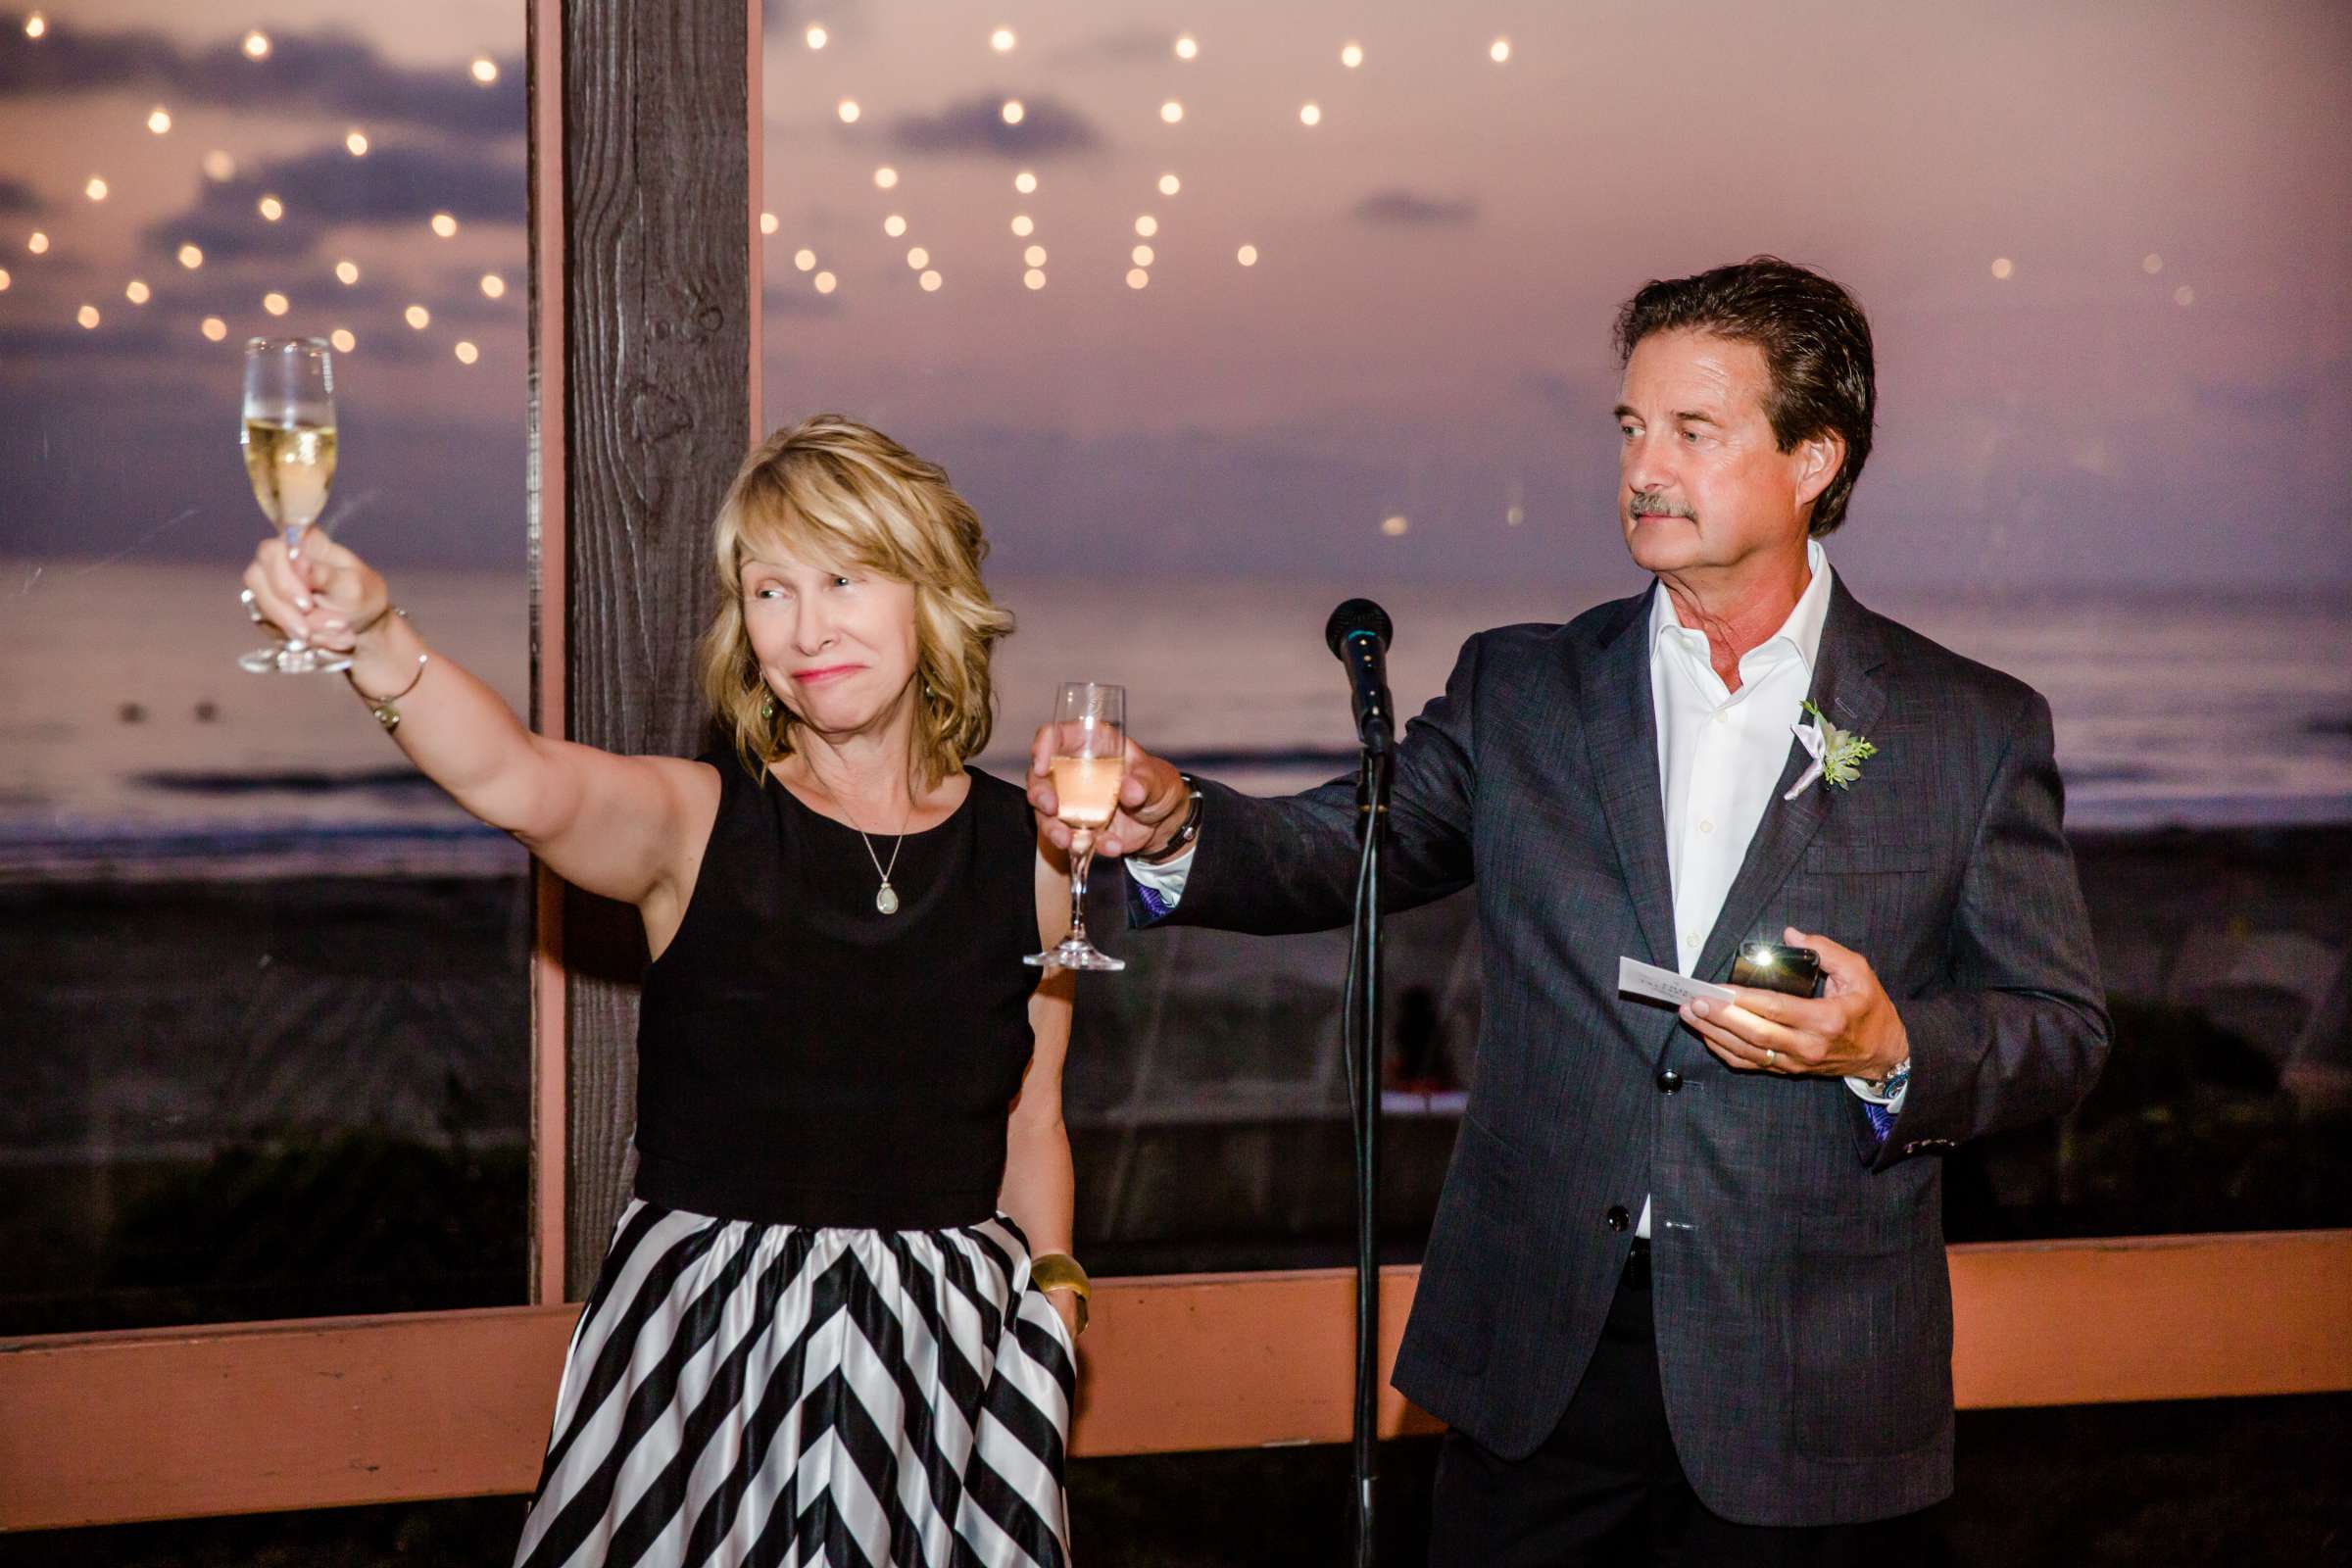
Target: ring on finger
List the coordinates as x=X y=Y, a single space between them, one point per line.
x=245 y=597
x=1770 y=1056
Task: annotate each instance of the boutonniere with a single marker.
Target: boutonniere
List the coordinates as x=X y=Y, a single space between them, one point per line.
x=1838 y=754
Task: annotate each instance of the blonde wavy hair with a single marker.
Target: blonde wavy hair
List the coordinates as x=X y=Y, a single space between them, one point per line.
x=832 y=491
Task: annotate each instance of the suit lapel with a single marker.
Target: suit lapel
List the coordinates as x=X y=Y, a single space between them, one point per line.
x=1846 y=687
x=1621 y=735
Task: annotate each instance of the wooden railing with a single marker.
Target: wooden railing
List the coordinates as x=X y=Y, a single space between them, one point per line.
x=254 y=1417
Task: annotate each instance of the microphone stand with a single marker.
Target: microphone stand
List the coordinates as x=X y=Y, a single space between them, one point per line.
x=1363 y=1032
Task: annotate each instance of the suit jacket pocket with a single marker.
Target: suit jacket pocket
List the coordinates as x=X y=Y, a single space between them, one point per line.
x=1872 y=1325
x=1463 y=1271
x=1868 y=860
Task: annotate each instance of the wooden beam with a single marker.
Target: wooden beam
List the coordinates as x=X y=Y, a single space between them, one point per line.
x=659 y=286
x=155 y=1423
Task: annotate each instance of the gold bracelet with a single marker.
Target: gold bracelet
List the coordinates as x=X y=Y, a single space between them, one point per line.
x=385 y=712
x=1060 y=1271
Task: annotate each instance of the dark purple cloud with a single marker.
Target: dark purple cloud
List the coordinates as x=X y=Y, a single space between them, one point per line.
x=17 y=197
x=976 y=125
x=1413 y=210
x=327 y=186
x=330 y=73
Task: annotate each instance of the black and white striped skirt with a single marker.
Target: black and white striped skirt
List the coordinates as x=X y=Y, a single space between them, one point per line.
x=743 y=1393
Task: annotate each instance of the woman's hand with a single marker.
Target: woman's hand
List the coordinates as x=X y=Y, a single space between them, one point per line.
x=320 y=598
x=1066 y=1303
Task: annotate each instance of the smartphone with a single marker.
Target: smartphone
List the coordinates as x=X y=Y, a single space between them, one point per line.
x=1769 y=966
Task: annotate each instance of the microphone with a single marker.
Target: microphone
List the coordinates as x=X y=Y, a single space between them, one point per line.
x=1358 y=633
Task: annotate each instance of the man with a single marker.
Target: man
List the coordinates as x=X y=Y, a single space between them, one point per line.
x=1685 y=1297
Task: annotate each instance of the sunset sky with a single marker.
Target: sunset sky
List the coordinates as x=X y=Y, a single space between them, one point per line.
x=2106 y=262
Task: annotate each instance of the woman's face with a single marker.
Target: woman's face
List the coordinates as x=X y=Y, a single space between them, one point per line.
x=836 y=644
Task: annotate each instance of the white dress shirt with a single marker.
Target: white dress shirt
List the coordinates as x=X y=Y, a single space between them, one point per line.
x=1720 y=757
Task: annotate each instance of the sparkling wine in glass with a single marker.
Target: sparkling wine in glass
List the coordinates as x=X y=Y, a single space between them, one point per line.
x=1089 y=762
x=289 y=441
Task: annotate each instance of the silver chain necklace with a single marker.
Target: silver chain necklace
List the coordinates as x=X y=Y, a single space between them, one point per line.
x=886 y=897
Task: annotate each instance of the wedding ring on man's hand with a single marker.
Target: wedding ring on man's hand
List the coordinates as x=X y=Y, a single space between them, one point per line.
x=1770 y=1056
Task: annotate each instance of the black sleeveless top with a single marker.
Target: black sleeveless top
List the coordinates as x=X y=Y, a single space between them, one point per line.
x=806 y=1059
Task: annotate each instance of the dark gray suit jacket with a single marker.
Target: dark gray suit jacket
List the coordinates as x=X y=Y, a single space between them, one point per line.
x=1803 y=1305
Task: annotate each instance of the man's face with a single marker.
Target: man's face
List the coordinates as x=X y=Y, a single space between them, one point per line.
x=1702 y=483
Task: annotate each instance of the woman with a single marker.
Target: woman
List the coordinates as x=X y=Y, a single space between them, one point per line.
x=819 y=1334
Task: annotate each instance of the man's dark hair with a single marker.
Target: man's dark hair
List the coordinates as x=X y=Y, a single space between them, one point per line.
x=1816 y=345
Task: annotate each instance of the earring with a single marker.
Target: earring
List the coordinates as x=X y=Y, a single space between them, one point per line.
x=768 y=711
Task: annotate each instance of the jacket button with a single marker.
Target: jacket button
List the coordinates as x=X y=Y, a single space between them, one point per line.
x=1669 y=1081
x=1618 y=1219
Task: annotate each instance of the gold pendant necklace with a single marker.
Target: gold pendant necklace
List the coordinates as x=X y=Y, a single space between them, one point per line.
x=886 y=897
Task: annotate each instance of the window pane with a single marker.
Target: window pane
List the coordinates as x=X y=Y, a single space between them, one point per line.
x=264 y=1019
x=1219 y=327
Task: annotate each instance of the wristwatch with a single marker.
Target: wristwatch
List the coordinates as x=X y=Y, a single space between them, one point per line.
x=1896 y=1081
x=1185 y=835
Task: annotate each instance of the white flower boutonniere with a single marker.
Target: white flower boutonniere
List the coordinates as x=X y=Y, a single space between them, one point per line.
x=1837 y=755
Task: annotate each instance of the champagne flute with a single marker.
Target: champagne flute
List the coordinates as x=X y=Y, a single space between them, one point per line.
x=289 y=441
x=1089 y=761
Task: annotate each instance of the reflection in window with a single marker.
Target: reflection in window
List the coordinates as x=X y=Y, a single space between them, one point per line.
x=264 y=1010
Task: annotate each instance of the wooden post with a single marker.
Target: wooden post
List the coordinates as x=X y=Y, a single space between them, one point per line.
x=644 y=283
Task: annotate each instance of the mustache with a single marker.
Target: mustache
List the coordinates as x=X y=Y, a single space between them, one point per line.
x=1654 y=503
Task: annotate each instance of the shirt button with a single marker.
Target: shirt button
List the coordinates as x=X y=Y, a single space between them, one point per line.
x=1722 y=715
x=1617 y=1218
x=1692 y=939
x=1706 y=827
x=1669 y=1081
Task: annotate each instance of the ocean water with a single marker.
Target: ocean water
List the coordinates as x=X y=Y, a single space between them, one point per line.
x=132 y=748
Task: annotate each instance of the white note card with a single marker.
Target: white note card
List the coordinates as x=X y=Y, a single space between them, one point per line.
x=1648 y=981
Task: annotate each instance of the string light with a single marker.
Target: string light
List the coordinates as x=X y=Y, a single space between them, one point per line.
x=1001 y=40
x=1035 y=256
x=190 y=256
x=1022 y=226
x=2151 y=264
x=214 y=328
x=445 y=226
x=342 y=339
x=218 y=167
x=885 y=177
x=1188 y=48
x=466 y=352
x=347 y=272
x=357 y=142
x=1352 y=54
x=275 y=303
x=805 y=260
x=1394 y=526
x=2002 y=266
x=1247 y=256
x=1146 y=225
x=1025 y=182
x=493 y=286
x=270 y=208
x=87 y=315
x=38 y=243
x=917 y=259
x=37 y=26
x=847 y=111
x=1171 y=110
x=159 y=119
x=1014 y=112
x=1310 y=114
x=768 y=224
x=485 y=72
x=256 y=46
x=1500 y=50
x=95 y=190
x=2185 y=295
x=1169 y=184
x=1141 y=255
x=417 y=316
x=1137 y=278
x=894 y=225
x=816 y=37
x=136 y=292
x=4 y=280
x=825 y=282
x=930 y=283
x=1034 y=277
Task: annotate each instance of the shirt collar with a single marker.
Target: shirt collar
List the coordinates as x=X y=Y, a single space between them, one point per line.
x=1802 y=631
